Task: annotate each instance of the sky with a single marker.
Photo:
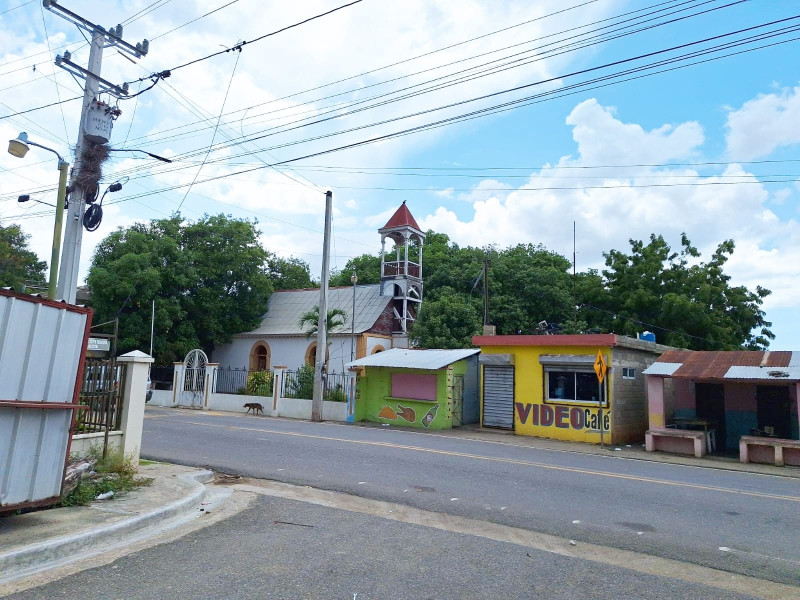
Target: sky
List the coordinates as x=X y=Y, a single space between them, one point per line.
x=498 y=122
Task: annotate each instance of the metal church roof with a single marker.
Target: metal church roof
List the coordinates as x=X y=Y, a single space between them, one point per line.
x=404 y=358
x=286 y=307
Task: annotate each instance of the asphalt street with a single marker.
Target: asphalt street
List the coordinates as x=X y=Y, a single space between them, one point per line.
x=740 y=522
x=291 y=550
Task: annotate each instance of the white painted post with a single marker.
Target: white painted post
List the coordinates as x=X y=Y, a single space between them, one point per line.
x=277 y=384
x=211 y=383
x=137 y=365
x=177 y=383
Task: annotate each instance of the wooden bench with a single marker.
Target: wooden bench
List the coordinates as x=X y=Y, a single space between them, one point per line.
x=768 y=450
x=678 y=441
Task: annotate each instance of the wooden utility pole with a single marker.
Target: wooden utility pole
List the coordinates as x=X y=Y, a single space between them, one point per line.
x=322 y=323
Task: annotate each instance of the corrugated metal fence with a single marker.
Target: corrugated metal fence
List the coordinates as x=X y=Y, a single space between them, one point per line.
x=42 y=351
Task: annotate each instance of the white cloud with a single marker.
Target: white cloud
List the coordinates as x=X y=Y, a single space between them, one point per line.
x=764 y=124
x=768 y=250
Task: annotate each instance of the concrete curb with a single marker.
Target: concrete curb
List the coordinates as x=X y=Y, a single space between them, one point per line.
x=65 y=549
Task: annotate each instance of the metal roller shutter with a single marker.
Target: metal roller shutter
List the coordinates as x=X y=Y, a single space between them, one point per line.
x=498 y=396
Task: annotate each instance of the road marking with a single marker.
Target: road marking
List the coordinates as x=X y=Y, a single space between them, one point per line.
x=642 y=563
x=513 y=461
x=513 y=444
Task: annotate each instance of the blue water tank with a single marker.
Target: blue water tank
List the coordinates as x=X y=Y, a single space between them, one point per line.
x=648 y=336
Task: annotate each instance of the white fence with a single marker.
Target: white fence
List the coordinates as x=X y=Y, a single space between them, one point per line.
x=274 y=405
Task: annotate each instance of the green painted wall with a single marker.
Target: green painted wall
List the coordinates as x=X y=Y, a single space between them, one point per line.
x=374 y=395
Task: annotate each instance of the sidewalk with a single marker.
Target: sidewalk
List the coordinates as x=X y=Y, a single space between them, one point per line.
x=40 y=540
x=631 y=451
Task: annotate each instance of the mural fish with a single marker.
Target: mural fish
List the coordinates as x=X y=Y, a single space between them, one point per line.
x=404 y=412
x=430 y=415
x=387 y=412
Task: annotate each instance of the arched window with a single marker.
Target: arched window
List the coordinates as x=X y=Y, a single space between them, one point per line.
x=260 y=357
x=311 y=354
x=377 y=349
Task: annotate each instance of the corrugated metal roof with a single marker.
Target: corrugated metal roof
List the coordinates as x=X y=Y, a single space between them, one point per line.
x=286 y=308
x=764 y=373
x=724 y=364
x=403 y=358
x=662 y=368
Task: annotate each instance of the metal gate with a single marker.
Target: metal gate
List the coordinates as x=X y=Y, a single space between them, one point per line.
x=498 y=396
x=194 y=380
x=458 y=401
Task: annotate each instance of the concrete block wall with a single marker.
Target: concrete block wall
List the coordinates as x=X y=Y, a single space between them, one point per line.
x=629 y=396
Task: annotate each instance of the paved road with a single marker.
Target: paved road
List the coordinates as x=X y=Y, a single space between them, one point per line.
x=673 y=511
x=345 y=555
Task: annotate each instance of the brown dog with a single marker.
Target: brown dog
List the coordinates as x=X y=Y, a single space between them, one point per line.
x=255 y=407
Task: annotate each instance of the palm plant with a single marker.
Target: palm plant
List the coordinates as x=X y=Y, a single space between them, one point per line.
x=336 y=318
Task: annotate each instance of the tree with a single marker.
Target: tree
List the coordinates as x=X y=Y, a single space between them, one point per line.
x=448 y=321
x=686 y=302
x=336 y=318
x=289 y=273
x=209 y=280
x=366 y=266
x=17 y=263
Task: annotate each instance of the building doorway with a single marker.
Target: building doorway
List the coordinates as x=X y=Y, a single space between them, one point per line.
x=710 y=398
x=774 y=417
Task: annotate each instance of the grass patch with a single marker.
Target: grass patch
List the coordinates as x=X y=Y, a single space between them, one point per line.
x=143 y=462
x=116 y=472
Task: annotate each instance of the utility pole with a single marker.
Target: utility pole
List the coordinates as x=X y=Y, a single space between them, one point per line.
x=320 y=373
x=95 y=84
x=485 y=293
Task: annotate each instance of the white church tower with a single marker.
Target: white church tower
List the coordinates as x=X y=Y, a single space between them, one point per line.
x=401 y=271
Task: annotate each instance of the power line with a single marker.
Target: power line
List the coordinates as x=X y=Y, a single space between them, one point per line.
x=240 y=45
x=58 y=93
x=333 y=108
x=211 y=12
x=17 y=6
x=22 y=112
x=510 y=105
x=213 y=137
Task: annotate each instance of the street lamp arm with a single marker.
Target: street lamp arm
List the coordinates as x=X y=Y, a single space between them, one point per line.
x=60 y=158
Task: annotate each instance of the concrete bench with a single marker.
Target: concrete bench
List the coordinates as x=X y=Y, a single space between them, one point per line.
x=677 y=441
x=769 y=450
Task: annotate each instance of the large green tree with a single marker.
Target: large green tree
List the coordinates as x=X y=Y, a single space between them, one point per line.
x=367 y=267
x=209 y=279
x=449 y=320
x=289 y=273
x=18 y=264
x=685 y=301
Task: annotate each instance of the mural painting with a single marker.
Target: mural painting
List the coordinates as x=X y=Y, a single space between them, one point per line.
x=408 y=414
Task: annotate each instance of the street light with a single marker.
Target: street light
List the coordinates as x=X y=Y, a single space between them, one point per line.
x=354 y=280
x=19 y=147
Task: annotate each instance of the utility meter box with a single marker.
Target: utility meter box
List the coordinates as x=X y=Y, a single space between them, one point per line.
x=99 y=122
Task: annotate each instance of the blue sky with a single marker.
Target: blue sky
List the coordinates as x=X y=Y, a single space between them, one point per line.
x=737 y=109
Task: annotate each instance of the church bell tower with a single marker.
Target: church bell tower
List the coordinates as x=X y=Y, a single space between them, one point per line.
x=401 y=269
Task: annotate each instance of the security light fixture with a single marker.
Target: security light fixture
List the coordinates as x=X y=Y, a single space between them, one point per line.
x=24 y=198
x=19 y=145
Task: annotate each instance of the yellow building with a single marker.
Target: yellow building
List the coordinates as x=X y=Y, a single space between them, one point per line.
x=546 y=386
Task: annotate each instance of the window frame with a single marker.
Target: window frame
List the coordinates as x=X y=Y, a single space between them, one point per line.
x=602 y=387
x=628 y=376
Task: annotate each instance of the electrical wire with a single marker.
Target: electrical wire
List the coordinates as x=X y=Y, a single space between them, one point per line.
x=58 y=93
x=211 y=12
x=17 y=6
x=551 y=94
x=313 y=102
x=241 y=45
x=213 y=137
x=29 y=110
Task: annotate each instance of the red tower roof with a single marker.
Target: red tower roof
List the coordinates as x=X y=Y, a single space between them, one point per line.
x=402 y=218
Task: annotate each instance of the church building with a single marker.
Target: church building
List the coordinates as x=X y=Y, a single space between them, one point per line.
x=384 y=312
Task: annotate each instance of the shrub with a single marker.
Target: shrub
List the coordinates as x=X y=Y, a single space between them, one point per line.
x=301 y=384
x=336 y=395
x=259 y=383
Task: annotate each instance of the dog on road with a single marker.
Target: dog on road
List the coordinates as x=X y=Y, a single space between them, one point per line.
x=255 y=407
